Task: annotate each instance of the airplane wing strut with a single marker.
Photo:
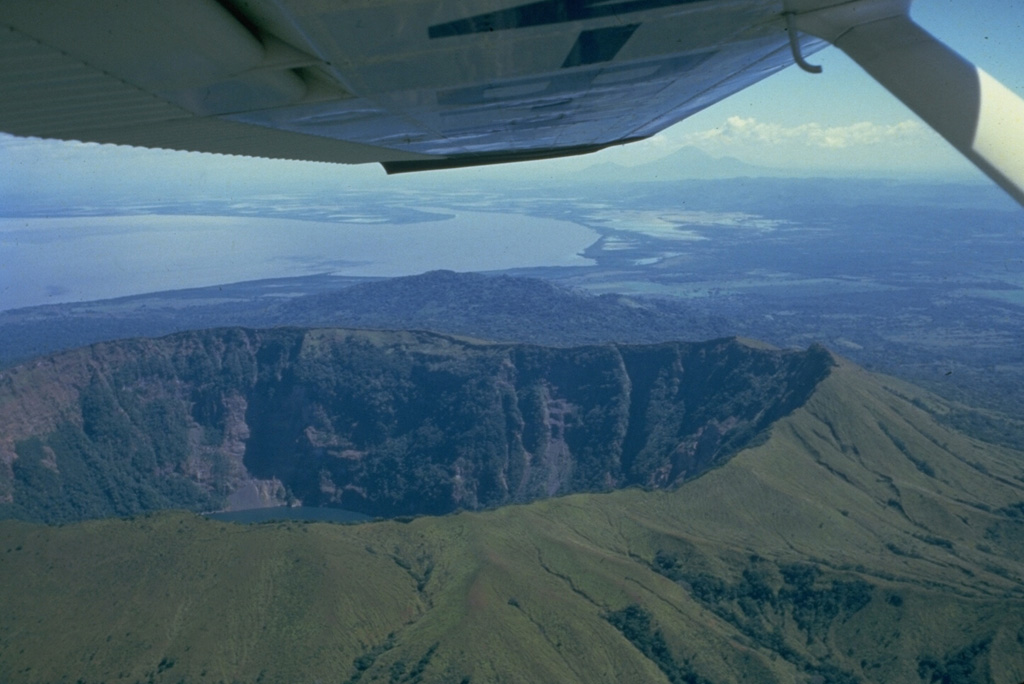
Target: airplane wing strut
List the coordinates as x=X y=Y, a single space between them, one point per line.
x=979 y=116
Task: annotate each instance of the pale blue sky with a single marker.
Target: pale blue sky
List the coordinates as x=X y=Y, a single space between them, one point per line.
x=837 y=122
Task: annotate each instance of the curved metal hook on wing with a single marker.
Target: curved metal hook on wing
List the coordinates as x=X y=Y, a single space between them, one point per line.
x=794 y=45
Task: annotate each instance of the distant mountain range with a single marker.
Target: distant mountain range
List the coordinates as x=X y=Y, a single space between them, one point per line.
x=854 y=538
x=685 y=163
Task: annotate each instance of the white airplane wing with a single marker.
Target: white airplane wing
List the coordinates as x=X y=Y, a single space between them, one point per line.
x=420 y=84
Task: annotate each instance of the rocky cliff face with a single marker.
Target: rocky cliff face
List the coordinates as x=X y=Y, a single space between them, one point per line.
x=384 y=423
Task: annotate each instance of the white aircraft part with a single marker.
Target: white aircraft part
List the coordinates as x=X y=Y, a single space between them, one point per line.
x=158 y=75
x=999 y=138
x=980 y=117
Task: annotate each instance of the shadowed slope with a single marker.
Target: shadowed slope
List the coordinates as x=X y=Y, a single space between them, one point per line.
x=384 y=423
x=862 y=541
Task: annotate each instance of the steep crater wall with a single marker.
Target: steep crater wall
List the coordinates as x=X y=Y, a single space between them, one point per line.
x=385 y=423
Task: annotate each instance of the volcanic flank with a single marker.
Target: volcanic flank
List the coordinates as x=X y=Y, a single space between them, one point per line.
x=855 y=538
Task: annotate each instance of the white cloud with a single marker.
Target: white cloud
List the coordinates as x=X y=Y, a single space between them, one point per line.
x=740 y=131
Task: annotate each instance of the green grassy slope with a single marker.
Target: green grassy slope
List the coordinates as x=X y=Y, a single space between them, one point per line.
x=862 y=542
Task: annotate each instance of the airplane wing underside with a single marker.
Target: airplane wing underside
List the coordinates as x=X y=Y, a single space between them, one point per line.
x=420 y=84
x=411 y=83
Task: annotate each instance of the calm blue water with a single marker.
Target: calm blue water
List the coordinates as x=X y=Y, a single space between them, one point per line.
x=81 y=258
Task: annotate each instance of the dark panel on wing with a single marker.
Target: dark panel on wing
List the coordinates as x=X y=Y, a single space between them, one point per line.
x=599 y=45
x=553 y=85
x=545 y=13
x=466 y=160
